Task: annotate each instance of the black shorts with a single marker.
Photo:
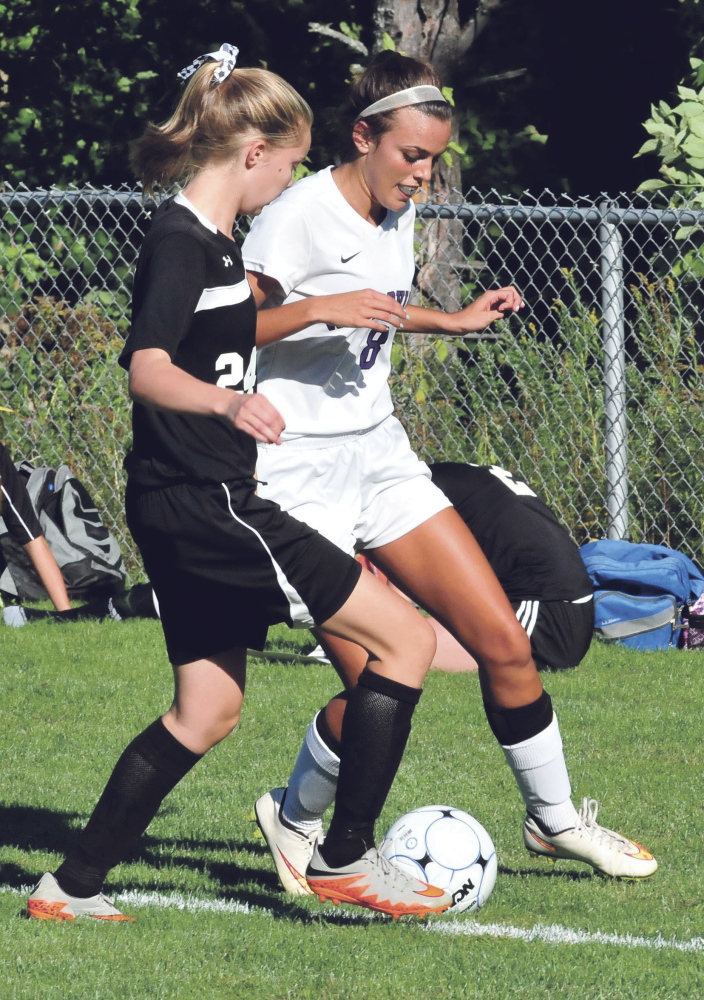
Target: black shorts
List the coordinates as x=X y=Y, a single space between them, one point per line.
x=225 y=564
x=560 y=631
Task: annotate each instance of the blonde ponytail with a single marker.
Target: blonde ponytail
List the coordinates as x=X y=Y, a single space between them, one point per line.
x=212 y=121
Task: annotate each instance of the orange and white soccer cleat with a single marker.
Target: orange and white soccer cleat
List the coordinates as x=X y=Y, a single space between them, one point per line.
x=49 y=902
x=376 y=884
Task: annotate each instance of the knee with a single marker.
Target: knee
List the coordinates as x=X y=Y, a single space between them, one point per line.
x=202 y=734
x=421 y=641
x=509 y=650
x=222 y=727
x=411 y=647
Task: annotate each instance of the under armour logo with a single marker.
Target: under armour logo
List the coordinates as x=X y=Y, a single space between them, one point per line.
x=227 y=261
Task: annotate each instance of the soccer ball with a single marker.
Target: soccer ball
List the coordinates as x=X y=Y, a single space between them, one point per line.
x=447 y=848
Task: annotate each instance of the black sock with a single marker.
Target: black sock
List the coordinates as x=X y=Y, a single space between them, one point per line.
x=144 y=775
x=375 y=730
x=137 y=602
x=514 y=725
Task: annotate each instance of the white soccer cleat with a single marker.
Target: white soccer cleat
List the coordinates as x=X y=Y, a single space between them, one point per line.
x=608 y=852
x=290 y=849
x=49 y=902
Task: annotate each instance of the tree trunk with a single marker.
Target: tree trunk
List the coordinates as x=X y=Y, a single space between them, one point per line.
x=431 y=30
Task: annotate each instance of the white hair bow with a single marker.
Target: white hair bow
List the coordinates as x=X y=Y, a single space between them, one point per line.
x=226 y=56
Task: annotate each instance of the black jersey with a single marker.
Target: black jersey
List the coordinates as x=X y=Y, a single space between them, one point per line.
x=531 y=553
x=17 y=517
x=18 y=522
x=191 y=299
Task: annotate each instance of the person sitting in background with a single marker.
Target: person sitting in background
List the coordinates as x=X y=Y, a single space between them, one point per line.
x=22 y=524
x=535 y=559
x=19 y=520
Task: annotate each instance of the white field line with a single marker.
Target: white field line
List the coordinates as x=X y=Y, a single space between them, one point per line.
x=545 y=933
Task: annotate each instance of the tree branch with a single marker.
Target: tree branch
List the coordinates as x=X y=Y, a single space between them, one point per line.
x=476 y=24
x=325 y=29
x=510 y=74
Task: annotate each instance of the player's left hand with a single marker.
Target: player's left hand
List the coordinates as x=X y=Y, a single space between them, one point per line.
x=492 y=305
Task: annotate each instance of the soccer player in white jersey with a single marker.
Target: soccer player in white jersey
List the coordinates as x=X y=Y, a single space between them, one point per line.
x=223 y=562
x=332 y=260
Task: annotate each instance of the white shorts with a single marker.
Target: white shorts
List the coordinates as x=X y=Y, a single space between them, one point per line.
x=359 y=490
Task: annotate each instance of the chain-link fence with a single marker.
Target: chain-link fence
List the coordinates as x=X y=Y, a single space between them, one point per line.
x=593 y=394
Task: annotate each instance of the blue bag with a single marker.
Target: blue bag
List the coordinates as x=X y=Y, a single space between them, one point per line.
x=639 y=591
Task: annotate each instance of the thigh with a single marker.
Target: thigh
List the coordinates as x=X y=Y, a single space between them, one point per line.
x=398 y=639
x=441 y=566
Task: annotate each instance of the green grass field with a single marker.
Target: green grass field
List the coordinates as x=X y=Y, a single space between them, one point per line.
x=211 y=922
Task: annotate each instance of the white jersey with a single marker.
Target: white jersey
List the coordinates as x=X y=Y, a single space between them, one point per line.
x=329 y=381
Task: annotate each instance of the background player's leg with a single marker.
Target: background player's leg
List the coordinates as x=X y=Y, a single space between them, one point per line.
x=207 y=701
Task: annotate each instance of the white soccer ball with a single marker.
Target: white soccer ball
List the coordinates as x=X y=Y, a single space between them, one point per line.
x=447 y=848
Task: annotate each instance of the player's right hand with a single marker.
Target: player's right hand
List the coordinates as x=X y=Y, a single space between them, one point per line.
x=255 y=415
x=365 y=308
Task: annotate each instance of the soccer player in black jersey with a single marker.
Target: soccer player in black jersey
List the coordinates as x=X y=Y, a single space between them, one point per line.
x=224 y=563
x=535 y=560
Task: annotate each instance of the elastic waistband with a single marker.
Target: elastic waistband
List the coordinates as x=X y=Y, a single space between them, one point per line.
x=314 y=442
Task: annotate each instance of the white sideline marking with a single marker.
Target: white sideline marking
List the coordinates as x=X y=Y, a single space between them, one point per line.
x=546 y=933
x=554 y=934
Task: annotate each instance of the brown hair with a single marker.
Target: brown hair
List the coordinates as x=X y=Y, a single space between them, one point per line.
x=213 y=121
x=388 y=73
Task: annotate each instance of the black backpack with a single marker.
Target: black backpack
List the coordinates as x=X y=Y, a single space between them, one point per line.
x=87 y=554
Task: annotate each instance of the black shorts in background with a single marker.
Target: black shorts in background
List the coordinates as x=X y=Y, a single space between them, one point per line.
x=225 y=564
x=559 y=631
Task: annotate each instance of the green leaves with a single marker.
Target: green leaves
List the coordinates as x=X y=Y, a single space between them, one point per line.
x=678 y=139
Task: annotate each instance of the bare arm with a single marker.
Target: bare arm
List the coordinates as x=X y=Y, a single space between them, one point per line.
x=161 y=385
x=492 y=305
x=374 y=310
x=49 y=572
x=365 y=308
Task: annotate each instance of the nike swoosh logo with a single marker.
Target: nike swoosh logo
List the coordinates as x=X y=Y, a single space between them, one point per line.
x=430 y=890
x=345 y=260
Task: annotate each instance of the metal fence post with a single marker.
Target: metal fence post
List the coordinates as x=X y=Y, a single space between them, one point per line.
x=615 y=430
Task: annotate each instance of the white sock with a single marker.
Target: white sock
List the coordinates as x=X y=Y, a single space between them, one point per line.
x=539 y=768
x=312 y=785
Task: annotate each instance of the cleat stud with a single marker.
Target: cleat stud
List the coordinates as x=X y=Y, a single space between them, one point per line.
x=251 y=816
x=258 y=835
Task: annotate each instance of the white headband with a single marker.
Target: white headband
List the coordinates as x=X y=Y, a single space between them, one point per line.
x=403 y=99
x=226 y=56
